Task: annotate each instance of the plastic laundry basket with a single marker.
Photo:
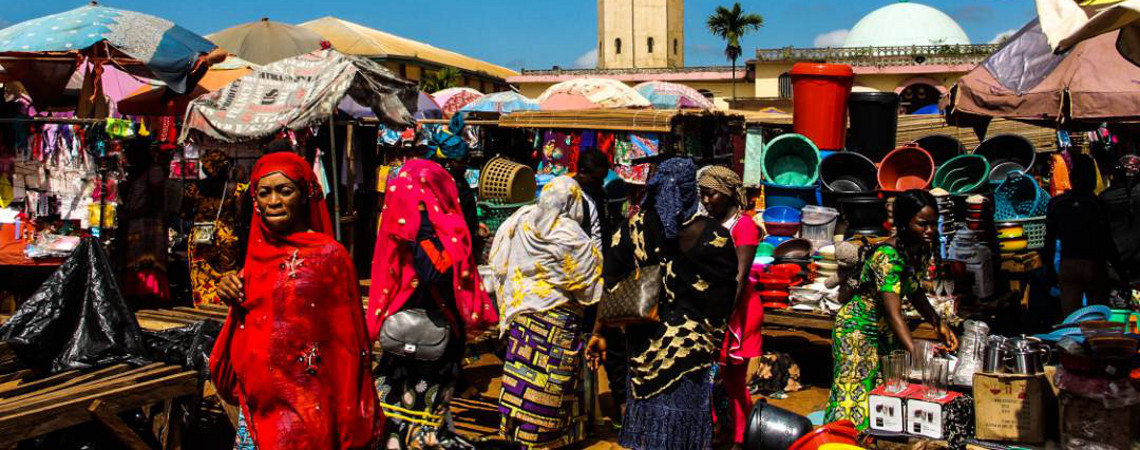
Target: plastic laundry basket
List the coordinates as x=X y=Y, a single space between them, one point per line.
x=1019 y=197
x=505 y=181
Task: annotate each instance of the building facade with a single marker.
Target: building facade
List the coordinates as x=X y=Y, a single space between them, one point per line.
x=908 y=48
x=641 y=34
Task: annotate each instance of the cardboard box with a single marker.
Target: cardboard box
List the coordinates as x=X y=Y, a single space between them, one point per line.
x=888 y=409
x=928 y=417
x=1012 y=407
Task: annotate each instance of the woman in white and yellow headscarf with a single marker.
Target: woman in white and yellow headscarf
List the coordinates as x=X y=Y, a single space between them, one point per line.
x=547 y=271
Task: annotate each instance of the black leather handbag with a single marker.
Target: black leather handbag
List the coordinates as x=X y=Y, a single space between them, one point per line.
x=634 y=299
x=415 y=334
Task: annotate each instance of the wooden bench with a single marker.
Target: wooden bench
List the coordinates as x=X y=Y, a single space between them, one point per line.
x=31 y=407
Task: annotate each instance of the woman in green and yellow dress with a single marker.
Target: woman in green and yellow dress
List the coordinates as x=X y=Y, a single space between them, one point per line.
x=871 y=324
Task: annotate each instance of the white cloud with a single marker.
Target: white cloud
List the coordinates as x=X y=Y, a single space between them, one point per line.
x=1003 y=36
x=588 y=60
x=831 y=38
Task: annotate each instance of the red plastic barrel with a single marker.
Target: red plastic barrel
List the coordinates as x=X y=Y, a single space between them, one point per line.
x=820 y=102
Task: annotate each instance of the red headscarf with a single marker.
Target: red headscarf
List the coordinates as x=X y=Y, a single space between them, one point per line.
x=424 y=182
x=295 y=353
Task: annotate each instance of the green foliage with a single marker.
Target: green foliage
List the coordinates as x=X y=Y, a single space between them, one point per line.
x=447 y=77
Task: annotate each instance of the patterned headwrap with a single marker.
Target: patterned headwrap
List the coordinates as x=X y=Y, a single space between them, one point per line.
x=673 y=193
x=724 y=180
x=1130 y=164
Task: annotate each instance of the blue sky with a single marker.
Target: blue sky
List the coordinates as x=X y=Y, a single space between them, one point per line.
x=538 y=34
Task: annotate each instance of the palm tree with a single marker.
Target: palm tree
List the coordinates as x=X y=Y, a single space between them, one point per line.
x=447 y=77
x=731 y=25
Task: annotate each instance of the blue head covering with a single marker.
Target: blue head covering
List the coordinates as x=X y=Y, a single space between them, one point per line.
x=673 y=193
x=448 y=143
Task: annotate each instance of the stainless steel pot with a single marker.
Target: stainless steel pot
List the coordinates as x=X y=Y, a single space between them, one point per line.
x=996 y=355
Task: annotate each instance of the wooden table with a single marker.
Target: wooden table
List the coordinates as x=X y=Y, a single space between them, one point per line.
x=820 y=323
x=32 y=407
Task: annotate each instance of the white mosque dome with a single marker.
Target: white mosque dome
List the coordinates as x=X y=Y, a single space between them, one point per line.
x=906 y=23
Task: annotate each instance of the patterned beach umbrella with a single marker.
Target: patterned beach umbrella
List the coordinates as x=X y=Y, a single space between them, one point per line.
x=590 y=93
x=665 y=95
x=502 y=102
x=450 y=100
x=167 y=50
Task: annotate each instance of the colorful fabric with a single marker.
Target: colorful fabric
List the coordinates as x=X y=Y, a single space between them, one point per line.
x=243 y=439
x=861 y=335
x=168 y=50
x=559 y=155
x=416 y=398
x=297 y=93
x=541 y=402
x=699 y=290
x=295 y=351
x=425 y=184
x=678 y=419
x=673 y=193
x=745 y=338
x=210 y=262
x=543 y=256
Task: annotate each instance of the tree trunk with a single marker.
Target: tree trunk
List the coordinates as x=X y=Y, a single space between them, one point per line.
x=734 y=79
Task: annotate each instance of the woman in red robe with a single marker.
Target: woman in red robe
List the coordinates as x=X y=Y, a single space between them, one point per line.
x=294 y=351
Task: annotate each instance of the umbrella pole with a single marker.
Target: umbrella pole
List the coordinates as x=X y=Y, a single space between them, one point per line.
x=336 y=179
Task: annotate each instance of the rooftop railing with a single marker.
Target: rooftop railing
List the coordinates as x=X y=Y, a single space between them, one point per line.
x=881 y=56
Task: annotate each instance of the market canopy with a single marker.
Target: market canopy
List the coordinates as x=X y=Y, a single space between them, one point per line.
x=665 y=95
x=450 y=100
x=40 y=53
x=1024 y=80
x=1068 y=22
x=297 y=93
x=501 y=102
x=160 y=101
x=265 y=41
x=355 y=39
x=590 y=93
x=426 y=108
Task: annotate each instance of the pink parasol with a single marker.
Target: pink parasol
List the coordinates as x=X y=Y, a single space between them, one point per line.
x=591 y=93
x=450 y=100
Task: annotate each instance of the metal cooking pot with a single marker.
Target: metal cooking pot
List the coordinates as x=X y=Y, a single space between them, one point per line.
x=1027 y=355
x=996 y=355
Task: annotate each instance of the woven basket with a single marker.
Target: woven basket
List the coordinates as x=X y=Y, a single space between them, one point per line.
x=503 y=181
x=1019 y=197
x=1034 y=231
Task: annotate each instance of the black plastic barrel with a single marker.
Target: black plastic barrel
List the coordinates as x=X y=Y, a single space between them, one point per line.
x=874 y=123
x=942 y=147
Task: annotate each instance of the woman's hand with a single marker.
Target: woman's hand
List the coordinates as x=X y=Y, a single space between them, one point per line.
x=231 y=288
x=595 y=351
x=946 y=335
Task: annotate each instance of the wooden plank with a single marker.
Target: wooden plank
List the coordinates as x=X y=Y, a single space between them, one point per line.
x=15 y=376
x=30 y=386
x=121 y=380
x=215 y=308
x=71 y=412
x=67 y=384
x=203 y=312
x=116 y=426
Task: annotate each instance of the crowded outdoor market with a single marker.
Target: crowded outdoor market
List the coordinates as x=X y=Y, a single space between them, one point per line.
x=323 y=235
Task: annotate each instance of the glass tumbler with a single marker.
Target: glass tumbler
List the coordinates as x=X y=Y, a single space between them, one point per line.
x=936 y=377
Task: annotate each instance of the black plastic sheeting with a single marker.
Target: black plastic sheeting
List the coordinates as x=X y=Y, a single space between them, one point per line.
x=187 y=346
x=77 y=319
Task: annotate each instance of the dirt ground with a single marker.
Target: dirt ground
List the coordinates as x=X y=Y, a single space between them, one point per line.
x=476 y=414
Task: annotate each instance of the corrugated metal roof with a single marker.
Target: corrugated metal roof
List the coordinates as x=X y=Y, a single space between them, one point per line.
x=355 y=39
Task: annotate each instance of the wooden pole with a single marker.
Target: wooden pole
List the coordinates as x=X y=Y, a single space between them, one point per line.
x=350 y=160
x=336 y=179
